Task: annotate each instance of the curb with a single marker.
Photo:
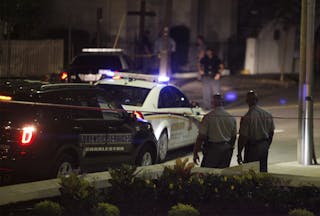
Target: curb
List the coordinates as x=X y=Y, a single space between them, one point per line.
x=50 y=188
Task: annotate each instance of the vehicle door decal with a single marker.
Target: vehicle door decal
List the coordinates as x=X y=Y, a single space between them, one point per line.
x=113 y=142
x=105 y=139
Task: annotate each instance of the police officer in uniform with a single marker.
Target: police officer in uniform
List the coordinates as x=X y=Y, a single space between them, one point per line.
x=217 y=134
x=255 y=134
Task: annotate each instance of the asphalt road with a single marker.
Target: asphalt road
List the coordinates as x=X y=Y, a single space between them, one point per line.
x=281 y=102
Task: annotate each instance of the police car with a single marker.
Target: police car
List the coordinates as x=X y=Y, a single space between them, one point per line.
x=60 y=127
x=174 y=120
x=85 y=67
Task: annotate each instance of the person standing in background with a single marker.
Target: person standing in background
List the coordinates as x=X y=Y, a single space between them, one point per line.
x=210 y=68
x=164 y=46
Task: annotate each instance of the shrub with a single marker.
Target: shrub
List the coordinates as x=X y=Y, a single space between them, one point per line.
x=106 y=209
x=130 y=193
x=48 y=208
x=78 y=196
x=181 y=171
x=183 y=210
x=176 y=183
x=300 y=212
x=122 y=183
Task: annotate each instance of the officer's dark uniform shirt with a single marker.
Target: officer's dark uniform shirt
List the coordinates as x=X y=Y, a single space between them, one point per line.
x=210 y=65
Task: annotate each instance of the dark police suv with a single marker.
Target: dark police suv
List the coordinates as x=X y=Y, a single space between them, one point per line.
x=50 y=131
x=92 y=64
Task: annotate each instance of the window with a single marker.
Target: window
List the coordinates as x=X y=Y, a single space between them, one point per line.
x=171 y=97
x=165 y=98
x=126 y=95
x=55 y=112
x=109 y=110
x=180 y=100
x=57 y=97
x=111 y=62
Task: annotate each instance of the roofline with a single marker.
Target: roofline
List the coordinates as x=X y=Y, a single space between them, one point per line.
x=65 y=86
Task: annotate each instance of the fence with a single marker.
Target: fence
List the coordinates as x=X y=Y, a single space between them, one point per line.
x=26 y=58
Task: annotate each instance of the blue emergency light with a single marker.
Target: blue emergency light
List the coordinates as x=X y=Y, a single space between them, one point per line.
x=163 y=79
x=106 y=72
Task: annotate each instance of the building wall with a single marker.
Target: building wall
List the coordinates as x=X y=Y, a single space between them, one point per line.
x=215 y=19
x=276 y=55
x=82 y=15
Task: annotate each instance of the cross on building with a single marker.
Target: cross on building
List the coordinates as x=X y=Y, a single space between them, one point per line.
x=142 y=14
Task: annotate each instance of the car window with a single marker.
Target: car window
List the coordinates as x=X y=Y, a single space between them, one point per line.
x=57 y=97
x=180 y=100
x=110 y=111
x=165 y=98
x=126 y=95
x=77 y=98
x=171 y=97
x=111 y=62
x=54 y=112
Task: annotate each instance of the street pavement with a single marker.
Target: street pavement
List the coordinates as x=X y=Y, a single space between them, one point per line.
x=281 y=100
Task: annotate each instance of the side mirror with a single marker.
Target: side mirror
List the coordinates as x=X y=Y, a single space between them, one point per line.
x=194 y=104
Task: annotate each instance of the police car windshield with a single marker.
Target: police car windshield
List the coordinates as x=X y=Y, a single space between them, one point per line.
x=111 y=62
x=126 y=95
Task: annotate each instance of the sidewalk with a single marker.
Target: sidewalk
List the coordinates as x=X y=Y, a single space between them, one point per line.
x=294 y=168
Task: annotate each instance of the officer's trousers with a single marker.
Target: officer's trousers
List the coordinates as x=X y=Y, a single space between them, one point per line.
x=217 y=155
x=209 y=88
x=257 y=151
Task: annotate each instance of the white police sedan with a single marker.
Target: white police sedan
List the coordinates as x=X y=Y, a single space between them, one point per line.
x=175 y=121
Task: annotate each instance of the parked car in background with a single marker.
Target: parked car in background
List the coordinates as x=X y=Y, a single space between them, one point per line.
x=56 y=128
x=175 y=121
x=91 y=64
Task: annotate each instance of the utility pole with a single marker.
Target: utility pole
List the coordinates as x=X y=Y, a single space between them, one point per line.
x=165 y=52
x=305 y=113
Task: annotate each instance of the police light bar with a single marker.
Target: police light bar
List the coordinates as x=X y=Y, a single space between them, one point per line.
x=93 y=50
x=106 y=72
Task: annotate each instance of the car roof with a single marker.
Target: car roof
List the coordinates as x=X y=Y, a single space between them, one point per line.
x=131 y=82
x=63 y=86
x=14 y=86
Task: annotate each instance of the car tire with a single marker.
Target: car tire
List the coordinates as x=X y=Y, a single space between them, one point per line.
x=146 y=156
x=163 y=145
x=64 y=166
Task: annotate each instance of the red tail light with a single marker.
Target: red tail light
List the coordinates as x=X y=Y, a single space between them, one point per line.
x=64 y=75
x=138 y=115
x=27 y=135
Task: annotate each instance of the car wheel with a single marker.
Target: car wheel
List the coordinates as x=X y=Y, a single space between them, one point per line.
x=146 y=156
x=163 y=146
x=64 y=166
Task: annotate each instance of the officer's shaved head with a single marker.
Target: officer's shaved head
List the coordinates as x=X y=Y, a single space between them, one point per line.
x=217 y=100
x=252 y=98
